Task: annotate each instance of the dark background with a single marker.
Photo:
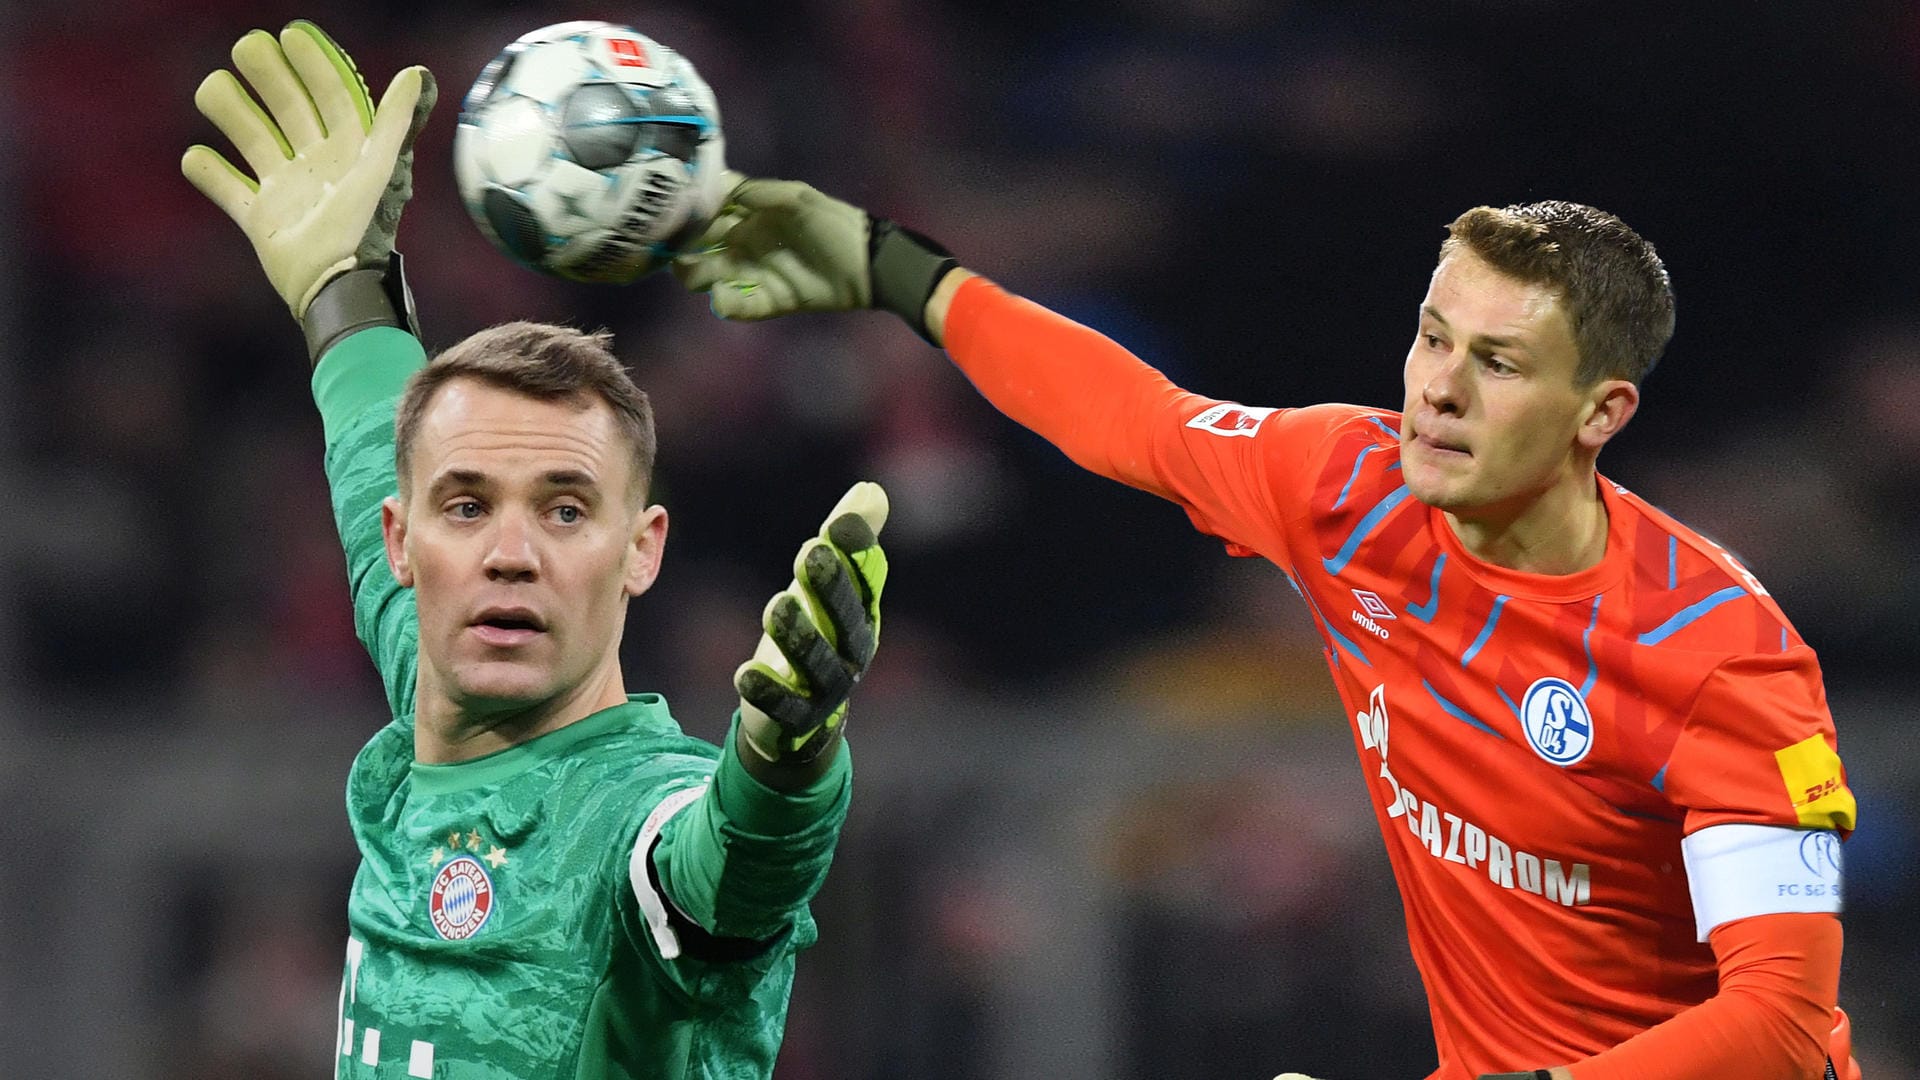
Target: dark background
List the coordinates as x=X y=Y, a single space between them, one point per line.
x=1091 y=838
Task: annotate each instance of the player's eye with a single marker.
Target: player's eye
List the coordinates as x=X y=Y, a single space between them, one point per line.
x=1499 y=366
x=1432 y=340
x=465 y=509
x=568 y=514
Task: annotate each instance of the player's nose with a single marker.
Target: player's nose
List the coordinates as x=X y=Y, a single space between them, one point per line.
x=512 y=554
x=1444 y=390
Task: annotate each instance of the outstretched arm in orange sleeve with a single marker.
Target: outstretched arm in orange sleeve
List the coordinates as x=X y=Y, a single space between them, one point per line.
x=1773 y=1018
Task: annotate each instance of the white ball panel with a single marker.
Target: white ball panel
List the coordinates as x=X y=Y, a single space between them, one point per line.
x=711 y=182
x=515 y=141
x=603 y=255
x=560 y=31
x=467 y=175
x=546 y=72
x=697 y=87
x=570 y=200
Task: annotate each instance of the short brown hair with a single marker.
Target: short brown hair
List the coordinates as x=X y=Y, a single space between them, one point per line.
x=544 y=362
x=1616 y=290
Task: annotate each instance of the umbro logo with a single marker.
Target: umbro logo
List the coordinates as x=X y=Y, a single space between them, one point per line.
x=1372 y=608
x=1371 y=603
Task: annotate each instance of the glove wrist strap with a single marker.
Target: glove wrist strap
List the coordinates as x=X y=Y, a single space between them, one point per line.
x=905 y=268
x=788 y=771
x=359 y=300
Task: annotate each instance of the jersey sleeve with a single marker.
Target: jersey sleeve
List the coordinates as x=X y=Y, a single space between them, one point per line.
x=1765 y=795
x=357 y=385
x=1239 y=471
x=722 y=870
x=1772 y=1015
x=1758 y=748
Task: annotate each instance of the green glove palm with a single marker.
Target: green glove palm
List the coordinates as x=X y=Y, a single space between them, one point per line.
x=780 y=246
x=777 y=247
x=330 y=172
x=819 y=634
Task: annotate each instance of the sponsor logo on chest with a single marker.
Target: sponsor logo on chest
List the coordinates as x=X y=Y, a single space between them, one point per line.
x=1449 y=837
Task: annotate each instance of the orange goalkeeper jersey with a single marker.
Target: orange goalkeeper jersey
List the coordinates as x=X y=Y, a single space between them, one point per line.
x=1536 y=746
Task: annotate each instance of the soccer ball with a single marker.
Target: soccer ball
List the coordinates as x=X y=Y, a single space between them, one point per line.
x=590 y=151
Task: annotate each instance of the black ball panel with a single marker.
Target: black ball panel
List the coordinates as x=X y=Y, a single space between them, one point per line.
x=674 y=140
x=513 y=222
x=598 y=126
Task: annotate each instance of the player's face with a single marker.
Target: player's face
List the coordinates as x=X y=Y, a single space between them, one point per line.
x=522 y=544
x=1493 y=417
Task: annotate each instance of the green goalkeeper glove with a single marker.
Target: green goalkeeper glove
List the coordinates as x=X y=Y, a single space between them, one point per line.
x=819 y=636
x=330 y=171
x=781 y=246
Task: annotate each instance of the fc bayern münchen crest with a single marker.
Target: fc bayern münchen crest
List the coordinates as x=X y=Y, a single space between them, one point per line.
x=461 y=900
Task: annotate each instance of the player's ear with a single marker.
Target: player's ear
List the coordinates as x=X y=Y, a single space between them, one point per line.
x=1610 y=404
x=648 y=543
x=393 y=532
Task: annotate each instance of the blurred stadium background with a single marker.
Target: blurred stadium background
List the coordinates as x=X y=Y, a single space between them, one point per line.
x=1108 y=823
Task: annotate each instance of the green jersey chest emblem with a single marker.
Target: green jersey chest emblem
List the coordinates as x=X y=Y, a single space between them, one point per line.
x=462 y=897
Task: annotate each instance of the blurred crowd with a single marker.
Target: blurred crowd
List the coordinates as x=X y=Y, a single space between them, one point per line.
x=1247 y=193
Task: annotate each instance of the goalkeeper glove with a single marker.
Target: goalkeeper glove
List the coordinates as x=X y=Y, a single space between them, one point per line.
x=330 y=171
x=819 y=636
x=780 y=246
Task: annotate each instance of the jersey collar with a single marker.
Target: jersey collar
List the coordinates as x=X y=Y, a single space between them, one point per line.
x=1553 y=588
x=639 y=711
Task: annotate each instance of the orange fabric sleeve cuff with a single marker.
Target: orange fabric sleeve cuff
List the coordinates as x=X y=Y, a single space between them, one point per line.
x=1771 y=1020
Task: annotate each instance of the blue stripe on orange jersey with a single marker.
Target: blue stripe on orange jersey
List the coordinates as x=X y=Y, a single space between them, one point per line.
x=1586 y=642
x=1459 y=713
x=1425 y=612
x=1686 y=616
x=1507 y=699
x=1355 y=475
x=1485 y=631
x=1365 y=526
x=1383 y=426
x=1335 y=635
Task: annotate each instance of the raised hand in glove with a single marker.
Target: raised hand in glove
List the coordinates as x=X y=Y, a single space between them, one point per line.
x=329 y=171
x=818 y=637
x=781 y=246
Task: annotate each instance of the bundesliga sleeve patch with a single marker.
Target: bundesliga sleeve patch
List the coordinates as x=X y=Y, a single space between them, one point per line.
x=1230 y=420
x=1811 y=771
x=1738 y=871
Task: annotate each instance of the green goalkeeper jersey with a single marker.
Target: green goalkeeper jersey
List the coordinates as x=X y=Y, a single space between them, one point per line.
x=611 y=899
